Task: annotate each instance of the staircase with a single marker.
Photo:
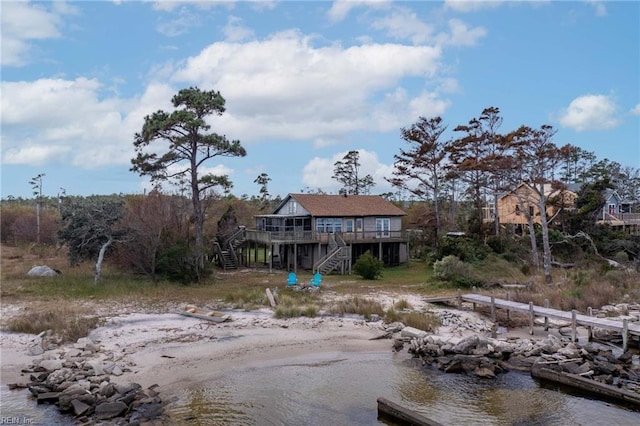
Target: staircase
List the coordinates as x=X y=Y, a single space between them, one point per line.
x=338 y=257
x=227 y=252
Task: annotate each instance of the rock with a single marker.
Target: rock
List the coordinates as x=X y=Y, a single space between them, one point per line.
x=109 y=410
x=42 y=271
x=412 y=332
x=79 y=407
x=48 y=397
x=466 y=345
x=484 y=372
x=51 y=364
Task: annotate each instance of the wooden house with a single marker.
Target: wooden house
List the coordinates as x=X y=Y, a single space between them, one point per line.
x=514 y=206
x=326 y=233
x=617 y=212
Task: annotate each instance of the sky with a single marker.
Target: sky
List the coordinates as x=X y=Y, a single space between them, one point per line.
x=304 y=82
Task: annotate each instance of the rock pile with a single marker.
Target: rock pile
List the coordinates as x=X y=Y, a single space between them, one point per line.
x=78 y=381
x=487 y=357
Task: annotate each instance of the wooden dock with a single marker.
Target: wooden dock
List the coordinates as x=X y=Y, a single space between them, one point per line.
x=403 y=415
x=626 y=328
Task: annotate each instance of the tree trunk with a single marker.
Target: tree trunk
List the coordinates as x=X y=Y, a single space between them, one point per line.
x=546 y=247
x=98 y=270
x=534 y=244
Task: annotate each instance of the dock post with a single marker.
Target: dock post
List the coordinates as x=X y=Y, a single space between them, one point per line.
x=625 y=335
x=493 y=309
x=508 y=311
x=474 y=290
x=531 y=318
x=574 y=337
x=460 y=300
x=546 y=319
x=589 y=328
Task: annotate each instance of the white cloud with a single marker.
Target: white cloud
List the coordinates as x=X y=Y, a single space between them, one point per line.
x=171 y=5
x=471 y=5
x=182 y=24
x=590 y=112
x=235 y=31
x=68 y=121
x=23 y=22
x=404 y=24
x=285 y=87
x=318 y=172
x=636 y=110
x=461 y=35
x=599 y=7
x=341 y=8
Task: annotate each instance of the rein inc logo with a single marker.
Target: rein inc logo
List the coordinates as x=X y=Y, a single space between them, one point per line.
x=16 y=420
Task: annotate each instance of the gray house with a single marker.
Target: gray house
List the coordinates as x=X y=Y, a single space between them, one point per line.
x=326 y=233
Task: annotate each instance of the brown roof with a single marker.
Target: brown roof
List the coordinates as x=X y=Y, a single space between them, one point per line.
x=351 y=205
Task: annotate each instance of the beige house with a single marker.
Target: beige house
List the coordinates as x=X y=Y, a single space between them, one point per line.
x=514 y=205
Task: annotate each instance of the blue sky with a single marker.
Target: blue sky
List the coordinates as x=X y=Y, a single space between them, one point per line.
x=305 y=82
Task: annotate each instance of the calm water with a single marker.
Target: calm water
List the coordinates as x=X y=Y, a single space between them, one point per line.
x=342 y=388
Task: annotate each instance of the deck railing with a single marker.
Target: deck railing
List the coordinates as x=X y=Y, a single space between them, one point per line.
x=322 y=237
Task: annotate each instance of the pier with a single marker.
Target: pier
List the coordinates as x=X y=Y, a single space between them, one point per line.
x=625 y=327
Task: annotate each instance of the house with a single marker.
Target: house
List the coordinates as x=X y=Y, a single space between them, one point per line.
x=617 y=212
x=524 y=197
x=326 y=233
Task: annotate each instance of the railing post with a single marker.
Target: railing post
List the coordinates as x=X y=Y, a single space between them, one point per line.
x=493 y=309
x=546 y=318
x=531 y=318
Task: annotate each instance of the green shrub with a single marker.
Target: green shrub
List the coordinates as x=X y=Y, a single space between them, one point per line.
x=452 y=269
x=179 y=264
x=467 y=250
x=368 y=267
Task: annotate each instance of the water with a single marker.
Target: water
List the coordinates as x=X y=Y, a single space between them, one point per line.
x=342 y=389
x=339 y=388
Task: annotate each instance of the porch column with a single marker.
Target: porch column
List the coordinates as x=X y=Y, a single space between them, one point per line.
x=380 y=250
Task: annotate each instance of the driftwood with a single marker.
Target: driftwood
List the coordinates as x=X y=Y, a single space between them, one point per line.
x=403 y=415
x=272 y=300
x=562 y=265
x=585 y=384
x=526 y=285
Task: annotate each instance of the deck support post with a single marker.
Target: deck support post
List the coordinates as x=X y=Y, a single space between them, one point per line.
x=574 y=333
x=493 y=309
x=546 y=319
x=531 y=318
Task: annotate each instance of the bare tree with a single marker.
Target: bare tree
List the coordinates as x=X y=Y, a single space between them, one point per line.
x=347 y=172
x=421 y=169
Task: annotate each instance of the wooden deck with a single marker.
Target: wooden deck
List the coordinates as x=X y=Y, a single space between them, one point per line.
x=626 y=328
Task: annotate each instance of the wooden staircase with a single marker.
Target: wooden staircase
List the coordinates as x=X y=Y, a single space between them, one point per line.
x=227 y=254
x=338 y=257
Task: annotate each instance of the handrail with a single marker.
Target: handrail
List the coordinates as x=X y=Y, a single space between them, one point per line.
x=328 y=257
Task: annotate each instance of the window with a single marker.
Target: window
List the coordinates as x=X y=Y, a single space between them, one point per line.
x=292 y=207
x=382 y=228
x=530 y=211
x=359 y=225
x=349 y=225
x=328 y=224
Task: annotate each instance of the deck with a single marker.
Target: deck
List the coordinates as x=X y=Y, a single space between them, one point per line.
x=625 y=327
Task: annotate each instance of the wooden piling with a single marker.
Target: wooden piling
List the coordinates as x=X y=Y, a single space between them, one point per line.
x=574 y=331
x=403 y=415
x=531 y=318
x=546 y=319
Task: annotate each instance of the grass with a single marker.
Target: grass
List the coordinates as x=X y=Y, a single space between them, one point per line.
x=66 y=321
x=359 y=306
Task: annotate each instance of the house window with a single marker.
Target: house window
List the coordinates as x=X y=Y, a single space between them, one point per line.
x=383 y=227
x=329 y=224
x=349 y=225
x=530 y=211
x=293 y=207
x=518 y=209
x=359 y=225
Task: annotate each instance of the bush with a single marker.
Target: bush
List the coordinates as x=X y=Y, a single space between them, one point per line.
x=452 y=269
x=368 y=267
x=464 y=249
x=179 y=264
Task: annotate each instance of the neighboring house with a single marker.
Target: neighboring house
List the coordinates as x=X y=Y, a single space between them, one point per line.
x=616 y=211
x=326 y=233
x=513 y=206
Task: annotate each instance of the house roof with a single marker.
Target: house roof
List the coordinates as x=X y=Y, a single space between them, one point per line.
x=350 y=205
x=548 y=189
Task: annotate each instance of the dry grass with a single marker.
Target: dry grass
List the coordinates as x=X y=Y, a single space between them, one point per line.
x=66 y=321
x=359 y=306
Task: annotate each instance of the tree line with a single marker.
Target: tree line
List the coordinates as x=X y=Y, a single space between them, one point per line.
x=158 y=231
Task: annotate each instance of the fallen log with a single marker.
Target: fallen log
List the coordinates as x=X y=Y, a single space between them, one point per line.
x=588 y=385
x=403 y=415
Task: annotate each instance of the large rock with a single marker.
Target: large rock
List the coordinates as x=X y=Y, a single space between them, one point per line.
x=42 y=271
x=109 y=410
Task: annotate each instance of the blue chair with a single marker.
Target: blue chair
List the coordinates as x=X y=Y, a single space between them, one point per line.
x=316 y=280
x=292 y=279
